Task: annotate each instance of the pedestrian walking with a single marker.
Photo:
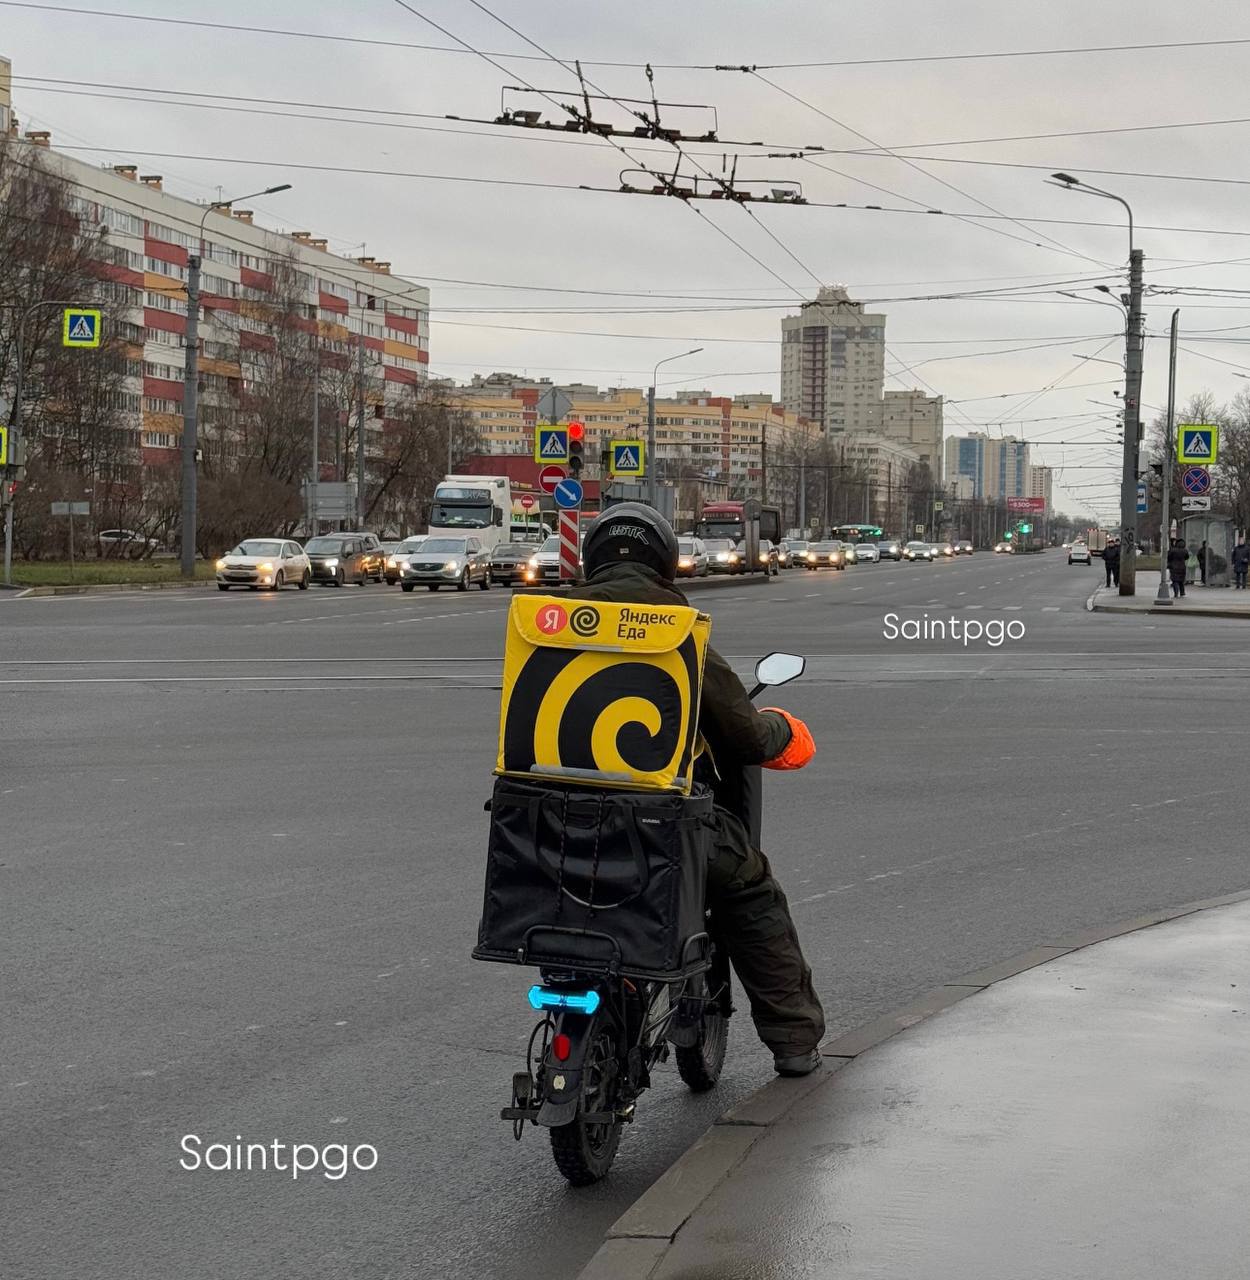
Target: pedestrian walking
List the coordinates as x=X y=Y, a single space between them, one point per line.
x=1241 y=563
x=1177 y=557
x=1111 y=561
x=1202 y=561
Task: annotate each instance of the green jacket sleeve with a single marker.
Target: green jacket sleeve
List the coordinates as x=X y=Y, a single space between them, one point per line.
x=735 y=730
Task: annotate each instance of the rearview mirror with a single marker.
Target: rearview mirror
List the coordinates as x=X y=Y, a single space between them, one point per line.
x=779 y=668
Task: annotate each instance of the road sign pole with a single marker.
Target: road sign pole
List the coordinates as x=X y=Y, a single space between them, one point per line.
x=569 y=549
x=8 y=539
x=1163 y=596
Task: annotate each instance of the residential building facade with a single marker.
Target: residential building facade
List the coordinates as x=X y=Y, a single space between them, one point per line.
x=997 y=467
x=915 y=419
x=254 y=283
x=833 y=363
x=1041 y=484
x=730 y=439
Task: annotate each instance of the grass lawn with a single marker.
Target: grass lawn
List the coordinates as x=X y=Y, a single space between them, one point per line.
x=56 y=573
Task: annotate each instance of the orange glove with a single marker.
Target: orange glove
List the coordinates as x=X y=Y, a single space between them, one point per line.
x=801 y=747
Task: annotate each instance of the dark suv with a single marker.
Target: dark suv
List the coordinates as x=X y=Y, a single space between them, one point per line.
x=339 y=558
x=375 y=556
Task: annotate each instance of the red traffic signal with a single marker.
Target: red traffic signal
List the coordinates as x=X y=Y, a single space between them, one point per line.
x=576 y=431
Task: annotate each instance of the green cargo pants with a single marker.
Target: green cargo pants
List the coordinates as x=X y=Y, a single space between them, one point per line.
x=751 y=917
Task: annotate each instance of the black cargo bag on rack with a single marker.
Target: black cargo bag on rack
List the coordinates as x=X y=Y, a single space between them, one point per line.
x=590 y=879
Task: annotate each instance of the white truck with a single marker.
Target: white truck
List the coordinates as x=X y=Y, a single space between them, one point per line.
x=477 y=505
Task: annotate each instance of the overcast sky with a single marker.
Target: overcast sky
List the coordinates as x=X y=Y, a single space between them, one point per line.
x=644 y=247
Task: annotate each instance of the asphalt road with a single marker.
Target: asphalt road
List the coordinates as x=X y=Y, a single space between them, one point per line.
x=241 y=847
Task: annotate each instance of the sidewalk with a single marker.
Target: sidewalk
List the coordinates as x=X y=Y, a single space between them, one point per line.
x=1211 y=602
x=1086 y=1118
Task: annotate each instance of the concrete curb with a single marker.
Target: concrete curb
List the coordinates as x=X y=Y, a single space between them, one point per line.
x=115 y=588
x=637 y=1242
x=1092 y=605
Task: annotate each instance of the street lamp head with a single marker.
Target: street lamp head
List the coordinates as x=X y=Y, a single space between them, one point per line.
x=271 y=191
x=1067 y=179
x=1103 y=288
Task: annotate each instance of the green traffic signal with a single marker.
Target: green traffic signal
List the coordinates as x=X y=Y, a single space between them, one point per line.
x=1026 y=528
x=1007 y=536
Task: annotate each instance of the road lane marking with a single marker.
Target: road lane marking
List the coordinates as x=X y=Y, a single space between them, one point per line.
x=1050 y=608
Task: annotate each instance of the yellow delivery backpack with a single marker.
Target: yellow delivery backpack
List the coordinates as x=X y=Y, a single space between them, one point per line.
x=601 y=693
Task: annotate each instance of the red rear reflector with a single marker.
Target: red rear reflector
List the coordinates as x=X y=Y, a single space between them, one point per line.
x=561 y=1047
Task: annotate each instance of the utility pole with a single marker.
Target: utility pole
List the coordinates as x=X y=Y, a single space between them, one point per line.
x=360 y=430
x=1164 y=595
x=1135 y=341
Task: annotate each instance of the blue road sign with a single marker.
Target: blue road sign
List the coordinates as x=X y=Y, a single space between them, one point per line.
x=1141 y=497
x=568 y=495
x=627 y=458
x=551 y=444
x=80 y=327
x=1196 y=480
x=1199 y=445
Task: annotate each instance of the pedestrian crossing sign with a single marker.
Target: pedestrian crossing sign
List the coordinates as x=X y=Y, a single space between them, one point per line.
x=1197 y=445
x=4 y=446
x=80 y=328
x=627 y=458
x=551 y=444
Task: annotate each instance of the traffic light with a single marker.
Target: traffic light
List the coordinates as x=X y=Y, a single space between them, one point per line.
x=577 y=445
x=1156 y=481
x=1026 y=528
x=1007 y=536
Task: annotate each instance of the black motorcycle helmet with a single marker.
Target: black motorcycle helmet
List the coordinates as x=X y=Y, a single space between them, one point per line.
x=633 y=532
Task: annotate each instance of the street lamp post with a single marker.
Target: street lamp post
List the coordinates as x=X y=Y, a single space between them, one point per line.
x=1133 y=345
x=191 y=381
x=652 y=492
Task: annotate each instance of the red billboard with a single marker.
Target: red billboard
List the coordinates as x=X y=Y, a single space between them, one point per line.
x=1035 y=506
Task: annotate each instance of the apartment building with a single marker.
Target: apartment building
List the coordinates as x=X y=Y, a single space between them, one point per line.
x=915 y=419
x=1040 y=484
x=254 y=282
x=728 y=438
x=997 y=467
x=833 y=363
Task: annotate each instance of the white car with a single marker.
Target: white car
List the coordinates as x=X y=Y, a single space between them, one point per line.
x=868 y=552
x=1078 y=553
x=272 y=563
x=402 y=552
x=918 y=552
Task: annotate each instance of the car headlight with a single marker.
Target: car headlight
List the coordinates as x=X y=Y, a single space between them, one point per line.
x=811 y=555
x=733 y=559
x=685 y=563
x=391 y=562
x=221 y=564
x=451 y=564
x=332 y=564
x=265 y=568
x=763 y=557
x=533 y=562
x=722 y=557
